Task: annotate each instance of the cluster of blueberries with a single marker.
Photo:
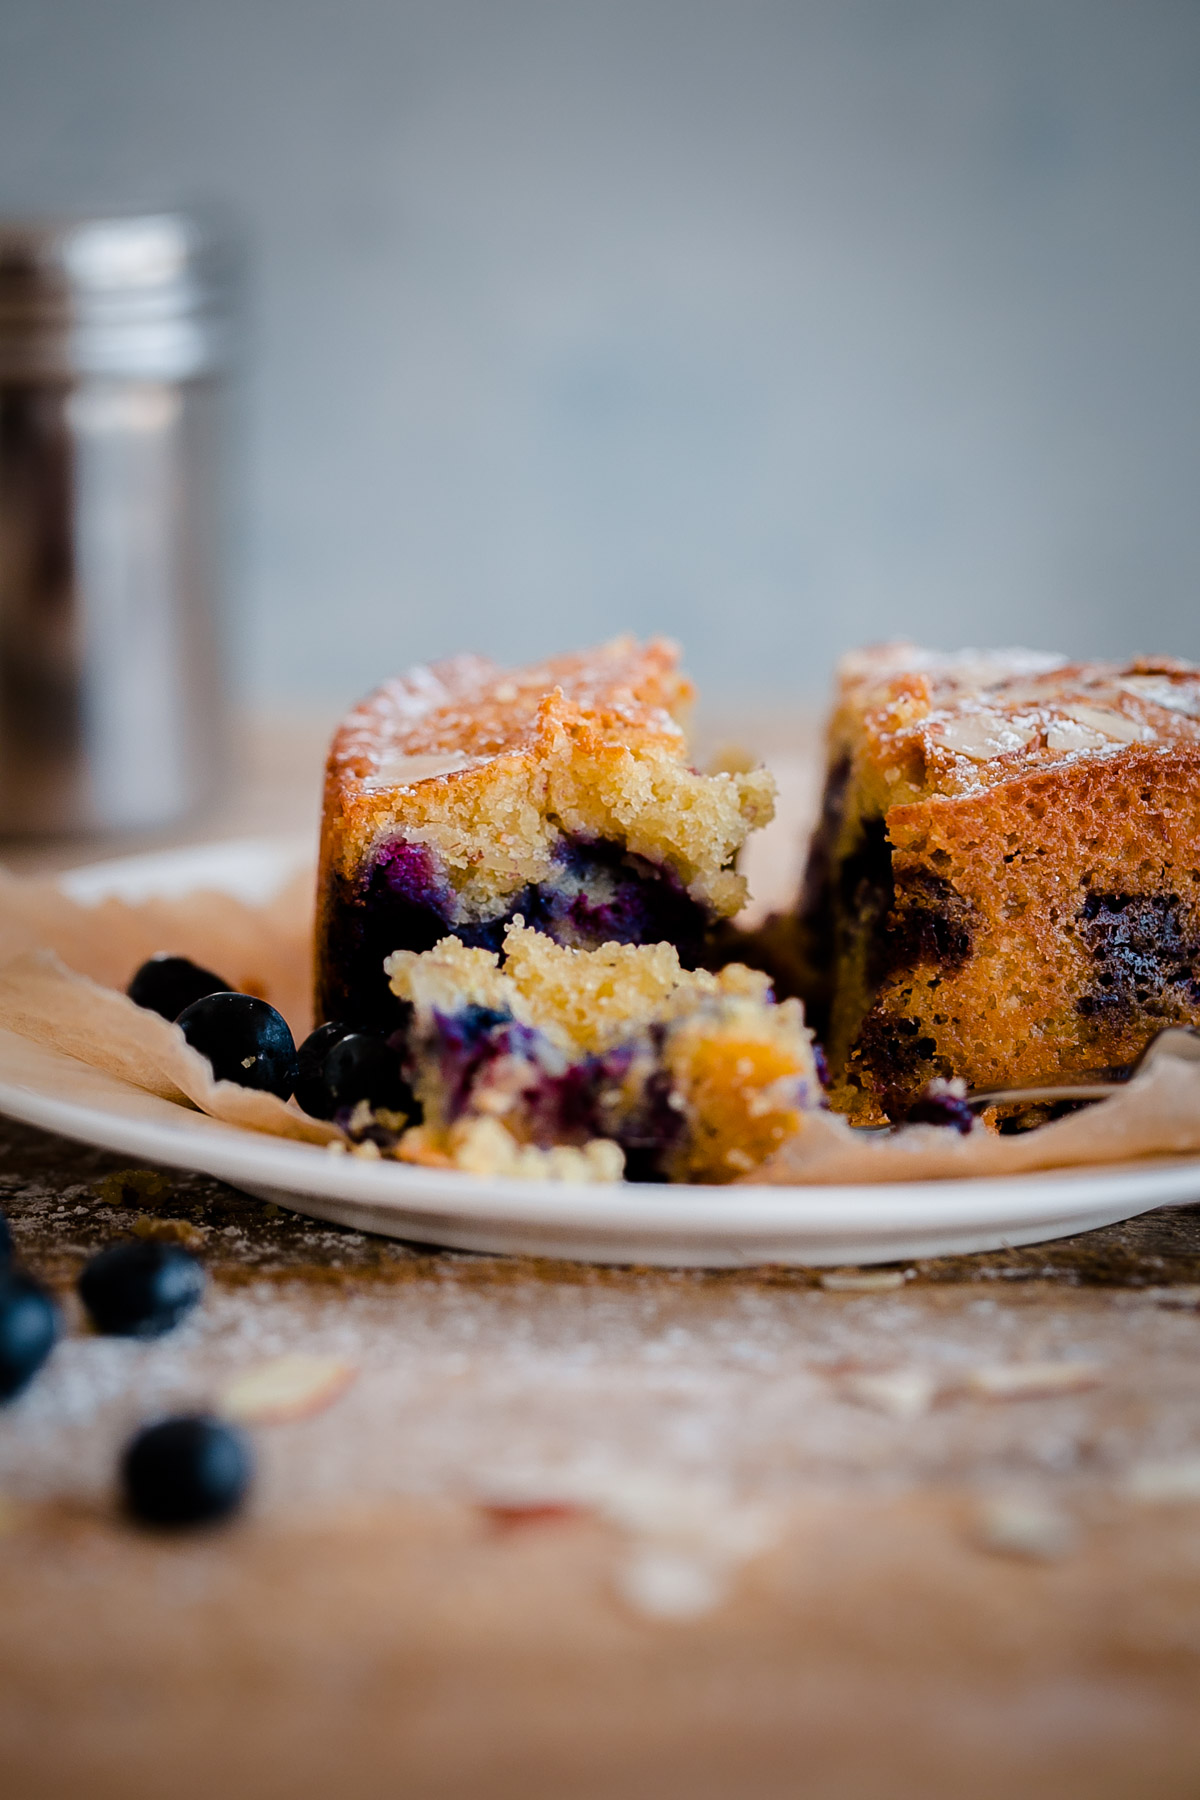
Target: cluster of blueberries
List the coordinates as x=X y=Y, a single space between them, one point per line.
x=181 y=1471
x=246 y=1041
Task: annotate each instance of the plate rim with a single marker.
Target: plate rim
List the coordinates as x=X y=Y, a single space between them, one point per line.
x=234 y=1153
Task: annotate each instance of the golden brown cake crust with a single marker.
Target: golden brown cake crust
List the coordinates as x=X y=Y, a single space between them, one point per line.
x=951 y=724
x=456 y=752
x=469 y=707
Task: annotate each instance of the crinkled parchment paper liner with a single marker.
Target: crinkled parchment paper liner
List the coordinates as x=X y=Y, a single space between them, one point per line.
x=63 y=967
x=1158 y=1114
x=262 y=949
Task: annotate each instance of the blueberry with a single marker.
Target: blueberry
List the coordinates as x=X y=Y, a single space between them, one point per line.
x=937 y=1105
x=140 y=1289
x=244 y=1039
x=5 y=1241
x=365 y=1068
x=166 y=984
x=340 y=1066
x=310 y=1063
x=28 y=1328
x=186 y=1471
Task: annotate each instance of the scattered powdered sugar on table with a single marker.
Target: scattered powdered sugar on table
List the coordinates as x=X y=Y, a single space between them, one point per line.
x=569 y=1391
x=690 y=1416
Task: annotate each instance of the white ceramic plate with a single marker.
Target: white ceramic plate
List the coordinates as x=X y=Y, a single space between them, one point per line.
x=711 y=1227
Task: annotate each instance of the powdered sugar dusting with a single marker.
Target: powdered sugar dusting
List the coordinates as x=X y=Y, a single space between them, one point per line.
x=675 y=1408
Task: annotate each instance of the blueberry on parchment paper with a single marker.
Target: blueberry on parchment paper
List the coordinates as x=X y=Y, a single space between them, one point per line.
x=361 y=1067
x=340 y=1066
x=311 y=1094
x=244 y=1039
x=166 y=984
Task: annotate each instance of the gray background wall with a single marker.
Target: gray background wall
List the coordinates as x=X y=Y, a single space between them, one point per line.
x=777 y=326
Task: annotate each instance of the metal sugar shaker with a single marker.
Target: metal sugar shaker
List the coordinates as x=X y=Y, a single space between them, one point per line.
x=115 y=352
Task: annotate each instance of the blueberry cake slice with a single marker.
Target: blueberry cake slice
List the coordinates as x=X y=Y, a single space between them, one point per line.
x=1005 y=883
x=462 y=794
x=590 y=1063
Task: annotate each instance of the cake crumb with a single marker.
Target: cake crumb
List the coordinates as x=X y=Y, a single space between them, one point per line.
x=170 y=1231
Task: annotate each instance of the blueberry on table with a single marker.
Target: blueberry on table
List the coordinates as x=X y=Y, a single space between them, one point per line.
x=28 y=1329
x=244 y=1039
x=191 y=1470
x=310 y=1089
x=140 y=1289
x=360 y=1067
x=166 y=984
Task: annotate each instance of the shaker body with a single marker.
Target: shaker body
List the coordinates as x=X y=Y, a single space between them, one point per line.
x=113 y=468
x=111 y=569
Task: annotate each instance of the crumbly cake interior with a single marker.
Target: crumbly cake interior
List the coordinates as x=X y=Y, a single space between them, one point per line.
x=1005 y=883
x=462 y=794
x=602 y=1061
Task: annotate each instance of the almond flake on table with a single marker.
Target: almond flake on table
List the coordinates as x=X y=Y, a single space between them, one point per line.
x=1013 y=1525
x=1165 y=1481
x=1031 y=1380
x=509 y=1515
x=684 y=1541
x=901 y=1393
x=287 y=1387
x=663 y=1583
x=864 y=1281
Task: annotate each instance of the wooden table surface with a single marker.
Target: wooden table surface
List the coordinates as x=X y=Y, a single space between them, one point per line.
x=606 y=1532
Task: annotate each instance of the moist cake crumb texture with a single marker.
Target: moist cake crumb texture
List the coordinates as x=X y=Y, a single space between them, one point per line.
x=589 y=1063
x=462 y=794
x=1005 y=883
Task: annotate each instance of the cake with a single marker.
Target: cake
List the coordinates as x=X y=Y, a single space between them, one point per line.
x=588 y=1064
x=463 y=794
x=1004 y=886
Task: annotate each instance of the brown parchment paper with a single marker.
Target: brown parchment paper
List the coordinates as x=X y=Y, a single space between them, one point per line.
x=63 y=966
x=1158 y=1114
x=260 y=949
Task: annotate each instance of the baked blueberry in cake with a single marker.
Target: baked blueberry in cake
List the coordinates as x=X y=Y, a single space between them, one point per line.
x=1005 y=883
x=593 y=1063
x=461 y=795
